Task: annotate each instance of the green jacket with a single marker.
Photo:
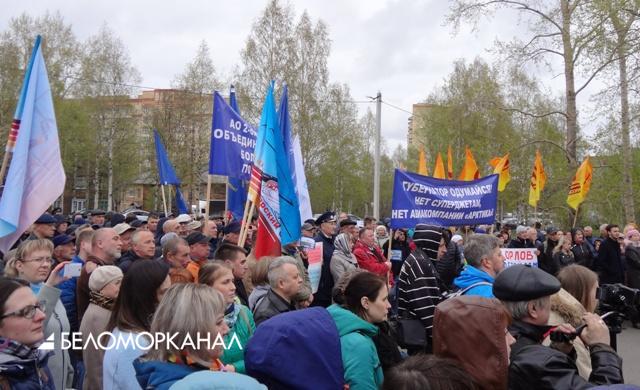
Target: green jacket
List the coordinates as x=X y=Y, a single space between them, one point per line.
x=362 y=369
x=244 y=329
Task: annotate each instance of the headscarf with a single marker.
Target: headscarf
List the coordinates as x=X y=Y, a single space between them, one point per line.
x=427 y=238
x=342 y=244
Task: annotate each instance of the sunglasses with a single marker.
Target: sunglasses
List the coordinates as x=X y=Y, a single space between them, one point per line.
x=27 y=312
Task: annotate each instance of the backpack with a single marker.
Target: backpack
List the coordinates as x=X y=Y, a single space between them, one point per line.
x=459 y=293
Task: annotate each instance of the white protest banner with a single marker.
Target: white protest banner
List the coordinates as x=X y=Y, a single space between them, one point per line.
x=524 y=256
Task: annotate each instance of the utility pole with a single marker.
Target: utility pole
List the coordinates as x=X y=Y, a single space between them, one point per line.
x=376 y=159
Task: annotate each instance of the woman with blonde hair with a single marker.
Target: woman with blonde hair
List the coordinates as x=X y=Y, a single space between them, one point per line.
x=191 y=312
x=562 y=255
x=219 y=275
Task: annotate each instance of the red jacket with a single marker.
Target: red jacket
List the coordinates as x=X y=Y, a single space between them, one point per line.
x=372 y=260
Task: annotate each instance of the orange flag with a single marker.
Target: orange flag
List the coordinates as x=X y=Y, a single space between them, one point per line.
x=538 y=180
x=438 y=171
x=422 y=162
x=470 y=169
x=449 y=164
x=581 y=184
x=501 y=167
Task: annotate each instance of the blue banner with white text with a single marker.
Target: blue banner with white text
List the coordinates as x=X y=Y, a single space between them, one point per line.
x=233 y=141
x=422 y=199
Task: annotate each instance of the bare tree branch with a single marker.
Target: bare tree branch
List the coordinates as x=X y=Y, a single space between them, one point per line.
x=545 y=141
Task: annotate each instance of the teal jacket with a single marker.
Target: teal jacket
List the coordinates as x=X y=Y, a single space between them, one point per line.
x=244 y=329
x=362 y=369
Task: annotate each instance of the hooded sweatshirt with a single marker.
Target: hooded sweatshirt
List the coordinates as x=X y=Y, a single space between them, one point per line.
x=468 y=321
x=418 y=290
x=362 y=369
x=472 y=275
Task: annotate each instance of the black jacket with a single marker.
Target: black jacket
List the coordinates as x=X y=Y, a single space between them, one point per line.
x=545 y=260
x=536 y=367
x=632 y=257
x=127 y=259
x=271 y=305
x=583 y=254
x=609 y=264
x=322 y=297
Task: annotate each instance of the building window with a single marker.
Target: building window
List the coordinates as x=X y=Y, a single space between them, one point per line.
x=78 y=204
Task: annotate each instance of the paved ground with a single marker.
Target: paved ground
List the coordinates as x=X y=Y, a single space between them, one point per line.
x=629 y=350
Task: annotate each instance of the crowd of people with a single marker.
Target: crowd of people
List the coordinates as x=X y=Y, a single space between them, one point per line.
x=420 y=308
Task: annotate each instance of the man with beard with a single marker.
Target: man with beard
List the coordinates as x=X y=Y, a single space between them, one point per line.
x=608 y=264
x=105 y=250
x=484 y=262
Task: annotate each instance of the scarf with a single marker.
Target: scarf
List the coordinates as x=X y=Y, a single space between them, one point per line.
x=35 y=287
x=17 y=349
x=100 y=300
x=186 y=360
x=342 y=244
x=231 y=315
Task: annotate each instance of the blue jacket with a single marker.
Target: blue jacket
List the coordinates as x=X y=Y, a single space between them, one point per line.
x=159 y=375
x=296 y=350
x=471 y=275
x=213 y=380
x=25 y=374
x=68 y=297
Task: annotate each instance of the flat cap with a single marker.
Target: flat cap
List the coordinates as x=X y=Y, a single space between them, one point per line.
x=96 y=212
x=307 y=226
x=196 y=237
x=62 y=239
x=123 y=227
x=523 y=283
x=327 y=216
x=552 y=229
x=183 y=218
x=137 y=223
x=232 y=227
x=45 y=219
x=347 y=222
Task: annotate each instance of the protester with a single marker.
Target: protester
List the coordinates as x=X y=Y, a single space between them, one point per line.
x=484 y=262
x=68 y=287
x=577 y=296
x=231 y=233
x=582 y=250
x=366 y=303
x=142 y=248
x=104 y=284
x=522 y=238
x=32 y=263
x=97 y=217
x=105 y=250
x=192 y=311
x=198 y=252
x=43 y=228
x=632 y=258
x=61 y=224
x=175 y=253
x=400 y=250
x=450 y=264
x=22 y=320
x=545 y=258
x=141 y=290
x=562 y=255
x=285 y=282
x=152 y=222
x=219 y=275
x=370 y=257
x=260 y=281
x=236 y=257
x=381 y=235
x=343 y=259
x=327 y=225
x=125 y=231
x=526 y=291
x=428 y=372
x=210 y=229
x=63 y=248
x=308 y=230
x=467 y=321
x=418 y=289
x=608 y=264
x=349 y=226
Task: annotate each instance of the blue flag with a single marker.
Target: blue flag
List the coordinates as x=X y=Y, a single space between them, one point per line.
x=182 y=207
x=165 y=169
x=237 y=188
x=233 y=141
x=35 y=178
x=289 y=206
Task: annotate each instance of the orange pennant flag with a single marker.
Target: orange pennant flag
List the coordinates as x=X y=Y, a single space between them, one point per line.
x=538 y=180
x=501 y=167
x=422 y=162
x=449 y=163
x=470 y=169
x=438 y=171
x=581 y=184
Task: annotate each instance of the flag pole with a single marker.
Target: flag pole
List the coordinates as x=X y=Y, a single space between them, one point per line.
x=226 y=201
x=206 y=206
x=245 y=225
x=575 y=217
x=390 y=242
x=164 y=201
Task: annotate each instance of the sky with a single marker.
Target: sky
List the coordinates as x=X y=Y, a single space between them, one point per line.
x=401 y=48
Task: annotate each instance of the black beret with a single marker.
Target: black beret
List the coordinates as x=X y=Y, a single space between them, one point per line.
x=524 y=283
x=327 y=216
x=196 y=237
x=347 y=222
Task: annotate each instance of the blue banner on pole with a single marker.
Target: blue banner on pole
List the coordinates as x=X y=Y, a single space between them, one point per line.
x=233 y=141
x=422 y=199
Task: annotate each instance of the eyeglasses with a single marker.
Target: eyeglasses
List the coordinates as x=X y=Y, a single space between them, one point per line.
x=27 y=312
x=40 y=260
